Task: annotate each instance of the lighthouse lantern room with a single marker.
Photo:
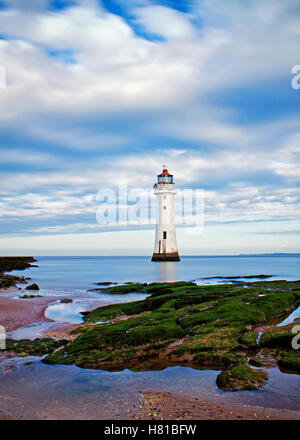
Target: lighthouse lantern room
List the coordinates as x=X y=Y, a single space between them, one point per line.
x=165 y=248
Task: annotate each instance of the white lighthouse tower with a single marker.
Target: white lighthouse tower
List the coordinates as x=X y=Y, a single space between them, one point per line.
x=165 y=248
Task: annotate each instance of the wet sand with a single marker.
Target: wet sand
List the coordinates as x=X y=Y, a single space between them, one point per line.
x=169 y=406
x=15 y=313
x=145 y=405
x=62 y=331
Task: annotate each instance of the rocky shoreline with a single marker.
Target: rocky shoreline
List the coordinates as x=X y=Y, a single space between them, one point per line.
x=182 y=323
x=229 y=327
x=13 y=313
x=7 y=264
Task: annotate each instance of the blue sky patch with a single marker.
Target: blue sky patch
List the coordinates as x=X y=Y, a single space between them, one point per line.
x=66 y=55
x=60 y=5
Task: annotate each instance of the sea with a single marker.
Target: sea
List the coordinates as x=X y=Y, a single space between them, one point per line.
x=74 y=392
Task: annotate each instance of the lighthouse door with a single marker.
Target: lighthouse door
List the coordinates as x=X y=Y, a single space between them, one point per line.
x=164 y=242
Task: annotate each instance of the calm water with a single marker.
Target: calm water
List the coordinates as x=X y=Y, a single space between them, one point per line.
x=72 y=277
x=81 y=272
x=79 y=393
x=60 y=391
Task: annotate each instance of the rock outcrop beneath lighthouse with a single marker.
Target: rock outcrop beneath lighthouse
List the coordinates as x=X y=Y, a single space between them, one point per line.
x=174 y=256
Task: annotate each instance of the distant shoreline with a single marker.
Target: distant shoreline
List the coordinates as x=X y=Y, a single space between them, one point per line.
x=275 y=254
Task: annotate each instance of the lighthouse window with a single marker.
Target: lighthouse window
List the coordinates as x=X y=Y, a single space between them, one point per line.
x=165 y=207
x=165 y=235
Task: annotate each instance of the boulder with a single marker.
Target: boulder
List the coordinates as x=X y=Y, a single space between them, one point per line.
x=33 y=286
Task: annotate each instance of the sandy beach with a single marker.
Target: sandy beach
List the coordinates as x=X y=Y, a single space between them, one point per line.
x=15 y=313
x=168 y=406
x=62 y=331
x=145 y=405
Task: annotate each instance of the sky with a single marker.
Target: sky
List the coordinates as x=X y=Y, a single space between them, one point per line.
x=102 y=92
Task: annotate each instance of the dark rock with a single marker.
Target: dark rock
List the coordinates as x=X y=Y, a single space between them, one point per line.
x=105 y=283
x=66 y=300
x=30 y=296
x=8 y=280
x=22 y=280
x=33 y=286
x=262 y=276
x=8 y=264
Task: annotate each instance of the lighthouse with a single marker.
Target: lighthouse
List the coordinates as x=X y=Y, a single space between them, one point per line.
x=165 y=247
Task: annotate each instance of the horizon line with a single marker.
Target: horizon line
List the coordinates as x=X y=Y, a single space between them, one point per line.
x=184 y=255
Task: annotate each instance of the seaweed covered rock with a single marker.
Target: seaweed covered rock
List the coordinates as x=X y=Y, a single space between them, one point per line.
x=249 y=338
x=289 y=361
x=7 y=281
x=35 y=347
x=214 y=347
x=182 y=323
x=241 y=377
x=264 y=358
x=278 y=337
x=121 y=289
x=8 y=264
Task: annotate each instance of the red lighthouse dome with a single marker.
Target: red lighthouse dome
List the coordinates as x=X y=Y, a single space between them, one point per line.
x=165 y=176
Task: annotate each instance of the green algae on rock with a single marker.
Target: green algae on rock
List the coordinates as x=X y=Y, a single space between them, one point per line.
x=36 y=347
x=279 y=340
x=182 y=323
x=121 y=289
x=249 y=338
x=8 y=264
x=280 y=337
x=241 y=377
x=289 y=361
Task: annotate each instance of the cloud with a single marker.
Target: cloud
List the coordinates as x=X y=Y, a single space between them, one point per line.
x=18 y=156
x=93 y=97
x=287 y=160
x=165 y=21
x=116 y=69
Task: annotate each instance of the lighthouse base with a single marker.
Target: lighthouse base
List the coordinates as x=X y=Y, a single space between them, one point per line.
x=166 y=257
